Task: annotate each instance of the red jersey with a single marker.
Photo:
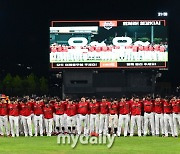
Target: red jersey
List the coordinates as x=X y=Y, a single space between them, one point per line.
x=83 y=108
x=136 y=108
x=13 y=109
x=60 y=108
x=175 y=106
x=158 y=107
x=48 y=112
x=38 y=108
x=3 y=109
x=25 y=109
x=32 y=104
x=113 y=108
x=148 y=106
x=124 y=107
x=167 y=107
x=130 y=102
x=94 y=108
x=52 y=102
x=71 y=109
x=104 y=107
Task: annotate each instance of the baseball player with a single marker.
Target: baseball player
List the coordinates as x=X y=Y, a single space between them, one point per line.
x=13 y=108
x=83 y=110
x=103 y=126
x=136 y=107
x=176 y=114
x=159 y=115
x=59 y=110
x=32 y=102
x=124 y=115
x=65 y=115
x=38 y=116
x=142 y=115
x=21 y=127
x=88 y=100
x=168 y=116
x=51 y=103
x=148 y=115
x=94 y=117
x=26 y=111
x=71 y=112
x=113 y=117
x=4 y=117
x=48 y=117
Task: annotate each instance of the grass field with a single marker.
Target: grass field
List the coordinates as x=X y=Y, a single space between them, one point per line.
x=128 y=145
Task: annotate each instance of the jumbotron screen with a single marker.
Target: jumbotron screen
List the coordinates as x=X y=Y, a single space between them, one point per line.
x=109 y=44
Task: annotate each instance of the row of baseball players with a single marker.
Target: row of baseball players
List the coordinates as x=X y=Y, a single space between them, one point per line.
x=90 y=117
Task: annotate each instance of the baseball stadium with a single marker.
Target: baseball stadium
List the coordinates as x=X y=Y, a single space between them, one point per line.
x=88 y=85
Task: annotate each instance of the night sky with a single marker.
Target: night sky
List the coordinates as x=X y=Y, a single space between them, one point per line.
x=24 y=29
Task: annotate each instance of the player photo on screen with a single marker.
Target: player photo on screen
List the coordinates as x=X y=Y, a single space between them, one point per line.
x=109 y=44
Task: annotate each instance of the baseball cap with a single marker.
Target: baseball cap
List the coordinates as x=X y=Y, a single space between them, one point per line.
x=93 y=97
x=115 y=99
x=166 y=97
x=136 y=96
x=103 y=97
x=87 y=98
x=37 y=99
x=158 y=96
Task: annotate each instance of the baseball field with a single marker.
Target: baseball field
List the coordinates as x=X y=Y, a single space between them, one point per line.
x=122 y=145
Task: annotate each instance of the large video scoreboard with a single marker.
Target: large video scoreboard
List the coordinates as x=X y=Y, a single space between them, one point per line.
x=115 y=44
